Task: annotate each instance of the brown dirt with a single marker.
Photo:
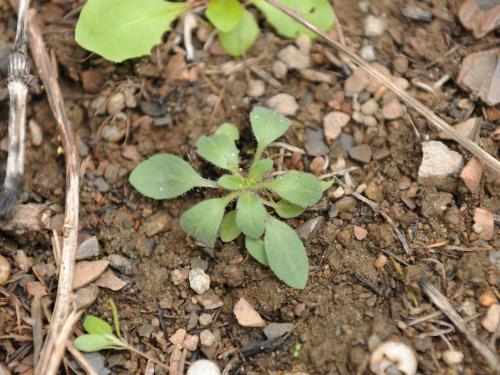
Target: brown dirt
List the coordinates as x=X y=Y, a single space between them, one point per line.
x=342 y=316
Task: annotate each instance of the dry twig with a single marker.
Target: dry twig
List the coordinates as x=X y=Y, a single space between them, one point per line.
x=442 y=303
x=55 y=343
x=434 y=119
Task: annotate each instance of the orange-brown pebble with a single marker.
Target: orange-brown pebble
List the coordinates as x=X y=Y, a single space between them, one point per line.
x=380 y=262
x=487 y=298
x=4 y=270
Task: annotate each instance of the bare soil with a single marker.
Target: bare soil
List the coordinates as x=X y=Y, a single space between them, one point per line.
x=348 y=305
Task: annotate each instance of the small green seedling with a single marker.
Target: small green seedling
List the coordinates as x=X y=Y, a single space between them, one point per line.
x=269 y=240
x=100 y=336
x=124 y=29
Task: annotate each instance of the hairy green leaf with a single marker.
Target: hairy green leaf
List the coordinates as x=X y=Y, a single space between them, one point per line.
x=287 y=210
x=237 y=41
x=124 y=29
x=251 y=215
x=96 y=342
x=203 y=220
x=318 y=12
x=231 y=182
x=229 y=231
x=256 y=249
x=224 y=14
x=259 y=169
x=230 y=130
x=93 y=324
x=165 y=176
x=267 y=126
x=302 y=189
x=286 y=254
x=219 y=150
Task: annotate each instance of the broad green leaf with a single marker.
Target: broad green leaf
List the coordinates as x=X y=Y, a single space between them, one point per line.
x=224 y=14
x=286 y=254
x=326 y=184
x=256 y=249
x=302 y=189
x=259 y=169
x=318 y=12
x=219 y=150
x=251 y=215
x=230 y=130
x=267 y=126
x=165 y=176
x=231 y=182
x=203 y=220
x=124 y=29
x=229 y=231
x=237 y=41
x=287 y=210
x=95 y=342
x=93 y=324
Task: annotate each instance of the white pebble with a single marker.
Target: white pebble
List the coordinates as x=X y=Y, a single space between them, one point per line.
x=199 y=281
x=203 y=367
x=453 y=357
x=284 y=104
x=256 y=88
x=393 y=354
x=374 y=26
x=368 y=53
x=207 y=338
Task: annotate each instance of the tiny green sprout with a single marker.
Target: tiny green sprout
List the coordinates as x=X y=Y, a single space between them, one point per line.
x=100 y=336
x=125 y=29
x=270 y=241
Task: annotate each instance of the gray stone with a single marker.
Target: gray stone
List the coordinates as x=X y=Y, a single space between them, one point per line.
x=310 y=226
x=294 y=58
x=101 y=185
x=315 y=145
x=275 y=330
x=111 y=173
x=469 y=129
x=145 y=330
x=368 y=53
x=121 y=263
x=88 y=249
x=361 y=153
x=5 y=51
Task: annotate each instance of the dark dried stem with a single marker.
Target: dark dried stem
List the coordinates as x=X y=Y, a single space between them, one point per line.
x=18 y=81
x=434 y=119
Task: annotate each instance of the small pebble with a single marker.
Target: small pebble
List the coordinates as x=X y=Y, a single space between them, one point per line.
x=360 y=233
x=203 y=367
x=115 y=103
x=393 y=110
x=361 y=153
x=304 y=43
x=380 y=262
x=4 y=270
x=316 y=166
x=370 y=121
x=370 y=107
x=368 y=53
x=453 y=357
x=280 y=69
x=199 y=281
x=35 y=132
x=101 y=185
x=299 y=309
x=487 y=298
x=492 y=319
x=284 y=104
x=471 y=174
x=294 y=58
x=178 y=337
x=207 y=338
x=357 y=82
x=484 y=220
x=333 y=123
x=88 y=249
x=191 y=342
x=256 y=88
x=400 y=64
x=205 y=319
x=178 y=276
x=404 y=183
x=374 y=26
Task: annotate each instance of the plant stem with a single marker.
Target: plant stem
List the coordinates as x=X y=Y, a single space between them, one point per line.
x=144 y=355
x=210 y=184
x=268 y=203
